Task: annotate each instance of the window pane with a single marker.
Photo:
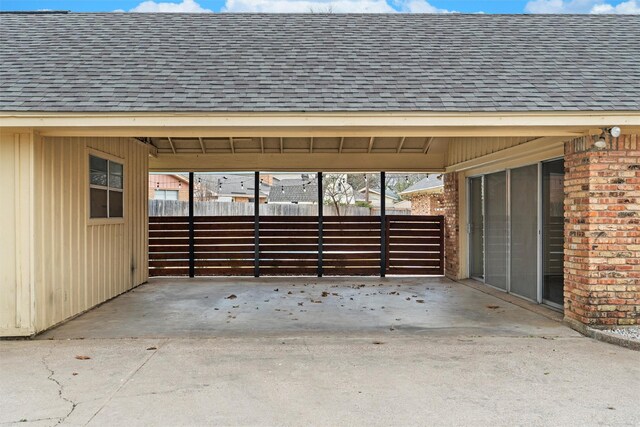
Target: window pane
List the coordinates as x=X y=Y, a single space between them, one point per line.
x=97 y=171
x=98 y=203
x=115 y=204
x=115 y=175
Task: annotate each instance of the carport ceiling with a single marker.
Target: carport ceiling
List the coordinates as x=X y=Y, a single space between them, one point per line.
x=233 y=145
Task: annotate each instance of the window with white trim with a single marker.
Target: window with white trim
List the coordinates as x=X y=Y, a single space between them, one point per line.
x=166 y=195
x=106 y=188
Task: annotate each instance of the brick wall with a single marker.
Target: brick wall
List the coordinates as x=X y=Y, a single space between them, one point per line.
x=452 y=225
x=602 y=231
x=427 y=204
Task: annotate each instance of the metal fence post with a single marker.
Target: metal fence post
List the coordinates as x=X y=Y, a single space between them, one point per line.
x=383 y=225
x=192 y=233
x=320 y=224
x=256 y=225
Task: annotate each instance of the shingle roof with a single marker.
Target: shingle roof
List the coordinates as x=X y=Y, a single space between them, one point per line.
x=294 y=191
x=428 y=183
x=116 y=62
x=233 y=185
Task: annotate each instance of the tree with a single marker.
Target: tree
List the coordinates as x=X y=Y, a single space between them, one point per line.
x=337 y=191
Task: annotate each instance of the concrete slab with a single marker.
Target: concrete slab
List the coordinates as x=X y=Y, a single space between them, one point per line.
x=227 y=307
x=369 y=380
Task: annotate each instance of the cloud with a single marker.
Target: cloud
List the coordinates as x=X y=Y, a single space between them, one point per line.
x=303 y=6
x=582 y=6
x=335 y=6
x=186 y=6
x=631 y=7
x=295 y=6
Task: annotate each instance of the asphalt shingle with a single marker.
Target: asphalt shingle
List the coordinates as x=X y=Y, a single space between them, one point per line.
x=318 y=62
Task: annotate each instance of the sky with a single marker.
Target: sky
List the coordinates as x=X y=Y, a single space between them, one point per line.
x=336 y=6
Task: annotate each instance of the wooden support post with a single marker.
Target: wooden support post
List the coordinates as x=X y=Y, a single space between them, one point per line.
x=256 y=225
x=320 y=224
x=192 y=233
x=383 y=225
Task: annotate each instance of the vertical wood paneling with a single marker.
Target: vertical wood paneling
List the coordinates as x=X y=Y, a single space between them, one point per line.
x=79 y=264
x=16 y=233
x=463 y=149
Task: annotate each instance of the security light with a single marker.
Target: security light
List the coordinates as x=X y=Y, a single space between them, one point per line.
x=601 y=143
x=615 y=131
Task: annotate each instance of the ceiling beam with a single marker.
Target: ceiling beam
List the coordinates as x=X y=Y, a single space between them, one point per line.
x=204 y=151
x=401 y=144
x=173 y=148
x=292 y=162
x=427 y=145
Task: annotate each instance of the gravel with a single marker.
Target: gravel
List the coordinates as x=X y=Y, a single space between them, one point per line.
x=632 y=332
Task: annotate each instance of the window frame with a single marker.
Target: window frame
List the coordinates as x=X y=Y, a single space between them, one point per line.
x=109 y=158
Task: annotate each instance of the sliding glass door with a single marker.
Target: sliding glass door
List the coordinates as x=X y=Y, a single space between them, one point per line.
x=516 y=231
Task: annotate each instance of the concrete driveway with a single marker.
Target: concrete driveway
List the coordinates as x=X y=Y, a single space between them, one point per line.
x=491 y=363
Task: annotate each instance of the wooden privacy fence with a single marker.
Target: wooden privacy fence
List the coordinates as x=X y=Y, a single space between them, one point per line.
x=297 y=246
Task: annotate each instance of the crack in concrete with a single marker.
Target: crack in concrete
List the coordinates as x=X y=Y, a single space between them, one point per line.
x=25 y=420
x=52 y=378
x=126 y=380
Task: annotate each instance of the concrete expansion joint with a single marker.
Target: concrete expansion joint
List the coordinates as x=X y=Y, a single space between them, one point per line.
x=60 y=387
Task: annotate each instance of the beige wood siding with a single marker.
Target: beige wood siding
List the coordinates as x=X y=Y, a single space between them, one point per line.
x=16 y=297
x=464 y=149
x=80 y=263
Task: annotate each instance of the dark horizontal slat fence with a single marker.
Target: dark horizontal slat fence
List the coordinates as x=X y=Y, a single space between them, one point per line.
x=288 y=245
x=169 y=246
x=415 y=245
x=351 y=246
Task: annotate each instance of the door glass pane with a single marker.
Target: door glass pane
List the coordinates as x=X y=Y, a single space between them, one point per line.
x=476 y=227
x=496 y=230
x=524 y=232
x=553 y=231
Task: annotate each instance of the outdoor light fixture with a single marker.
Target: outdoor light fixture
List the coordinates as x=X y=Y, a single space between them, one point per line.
x=157 y=184
x=283 y=189
x=180 y=185
x=242 y=184
x=304 y=189
x=615 y=131
x=600 y=144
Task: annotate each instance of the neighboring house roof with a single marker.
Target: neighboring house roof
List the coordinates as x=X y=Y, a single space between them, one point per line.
x=179 y=177
x=136 y=62
x=294 y=191
x=428 y=184
x=389 y=193
x=233 y=185
x=404 y=204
